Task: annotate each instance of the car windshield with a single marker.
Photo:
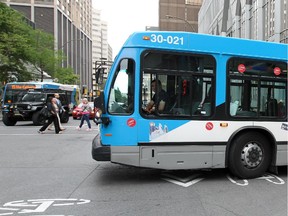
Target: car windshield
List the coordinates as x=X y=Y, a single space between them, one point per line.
x=32 y=97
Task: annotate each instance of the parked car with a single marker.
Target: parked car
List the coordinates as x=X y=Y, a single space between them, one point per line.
x=77 y=111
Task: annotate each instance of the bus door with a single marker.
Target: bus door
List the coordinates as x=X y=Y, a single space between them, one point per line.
x=121 y=129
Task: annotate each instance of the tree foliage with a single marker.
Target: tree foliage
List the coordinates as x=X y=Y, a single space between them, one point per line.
x=24 y=49
x=66 y=76
x=14 y=44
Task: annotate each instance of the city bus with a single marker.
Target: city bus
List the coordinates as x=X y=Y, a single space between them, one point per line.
x=225 y=104
x=22 y=101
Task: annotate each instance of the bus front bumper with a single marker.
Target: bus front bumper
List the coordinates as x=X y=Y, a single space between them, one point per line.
x=100 y=152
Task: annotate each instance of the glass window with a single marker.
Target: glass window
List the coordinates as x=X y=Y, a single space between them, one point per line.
x=257 y=88
x=175 y=84
x=121 y=96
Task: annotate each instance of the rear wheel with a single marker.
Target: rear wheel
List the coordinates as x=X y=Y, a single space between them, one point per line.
x=8 y=120
x=250 y=155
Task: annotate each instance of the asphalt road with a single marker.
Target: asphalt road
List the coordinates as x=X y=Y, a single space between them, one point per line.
x=54 y=175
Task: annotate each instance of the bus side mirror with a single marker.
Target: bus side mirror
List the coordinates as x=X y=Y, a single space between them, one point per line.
x=99 y=102
x=99 y=106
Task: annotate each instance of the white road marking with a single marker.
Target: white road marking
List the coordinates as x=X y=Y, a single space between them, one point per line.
x=187 y=184
x=40 y=205
x=245 y=182
x=268 y=177
x=182 y=181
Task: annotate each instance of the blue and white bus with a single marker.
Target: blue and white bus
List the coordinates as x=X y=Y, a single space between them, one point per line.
x=22 y=101
x=226 y=104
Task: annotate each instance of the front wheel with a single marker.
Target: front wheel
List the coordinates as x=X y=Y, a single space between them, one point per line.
x=8 y=120
x=250 y=155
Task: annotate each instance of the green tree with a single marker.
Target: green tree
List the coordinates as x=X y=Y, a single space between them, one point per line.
x=42 y=54
x=24 y=49
x=14 y=44
x=66 y=76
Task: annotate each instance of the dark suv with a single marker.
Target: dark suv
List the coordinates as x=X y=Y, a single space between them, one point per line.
x=29 y=106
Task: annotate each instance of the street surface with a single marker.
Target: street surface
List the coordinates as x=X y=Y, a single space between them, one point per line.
x=54 y=175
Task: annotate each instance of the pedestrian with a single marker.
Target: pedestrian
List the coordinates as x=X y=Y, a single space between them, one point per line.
x=86 y=110
x=61 y=110
x=52 y=108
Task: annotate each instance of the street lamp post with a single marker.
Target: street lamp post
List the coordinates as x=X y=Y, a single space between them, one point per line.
x=174 y=17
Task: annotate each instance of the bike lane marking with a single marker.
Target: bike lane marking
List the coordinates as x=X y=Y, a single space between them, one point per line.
x=39 y=205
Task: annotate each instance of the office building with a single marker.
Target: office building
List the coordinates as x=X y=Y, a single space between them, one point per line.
x=101 y=50
x=253 y=19
x=70 y=22
x=179 y=15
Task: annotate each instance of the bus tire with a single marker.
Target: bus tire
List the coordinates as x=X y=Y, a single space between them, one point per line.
x=64 y=117
x=38 y=119
x=8 y=121
x=250 y=155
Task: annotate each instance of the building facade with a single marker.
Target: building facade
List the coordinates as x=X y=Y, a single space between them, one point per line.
x=179 y=15
x=101 y=50
x=70 y=22
x=252 y=19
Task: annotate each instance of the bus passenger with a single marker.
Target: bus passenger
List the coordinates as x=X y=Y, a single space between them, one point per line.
x=159 y=99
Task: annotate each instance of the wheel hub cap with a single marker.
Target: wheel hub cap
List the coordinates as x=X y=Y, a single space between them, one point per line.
x=251 y=155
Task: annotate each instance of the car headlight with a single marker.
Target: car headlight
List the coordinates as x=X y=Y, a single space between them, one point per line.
x=29 y=107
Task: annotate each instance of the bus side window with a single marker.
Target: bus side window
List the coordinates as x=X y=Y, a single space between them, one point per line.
x=257 y=92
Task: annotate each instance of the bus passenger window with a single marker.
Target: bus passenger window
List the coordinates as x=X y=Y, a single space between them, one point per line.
x=187 y=79
x=256 y=90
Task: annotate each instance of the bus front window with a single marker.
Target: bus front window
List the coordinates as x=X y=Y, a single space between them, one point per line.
x=121 y=92
x=13 y=96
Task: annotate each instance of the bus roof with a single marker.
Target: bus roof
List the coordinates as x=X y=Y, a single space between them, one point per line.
x=204 y=43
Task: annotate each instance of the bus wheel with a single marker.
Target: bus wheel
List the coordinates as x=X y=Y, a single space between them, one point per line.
x=64 y=117
x=8 y=121
x=38 y=119
x=250 y=155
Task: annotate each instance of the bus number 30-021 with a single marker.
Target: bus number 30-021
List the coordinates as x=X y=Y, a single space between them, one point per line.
x=168 y=39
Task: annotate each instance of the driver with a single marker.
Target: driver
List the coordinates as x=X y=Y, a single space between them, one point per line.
x=159 y=99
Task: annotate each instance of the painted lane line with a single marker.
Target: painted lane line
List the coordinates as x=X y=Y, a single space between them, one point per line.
x=245 y=182
x=187 y=184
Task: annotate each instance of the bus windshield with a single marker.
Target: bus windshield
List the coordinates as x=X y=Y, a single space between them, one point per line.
x=12 y=96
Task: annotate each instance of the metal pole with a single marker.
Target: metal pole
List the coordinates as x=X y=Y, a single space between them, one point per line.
x=174 y=17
